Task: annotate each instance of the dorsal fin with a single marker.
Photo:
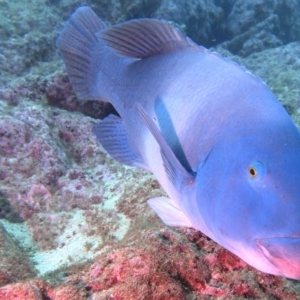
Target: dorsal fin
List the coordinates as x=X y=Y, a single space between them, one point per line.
x=144 y=38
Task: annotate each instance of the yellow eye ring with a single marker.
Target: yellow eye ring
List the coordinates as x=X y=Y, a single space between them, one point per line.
x=252 y=172
x=256 y=170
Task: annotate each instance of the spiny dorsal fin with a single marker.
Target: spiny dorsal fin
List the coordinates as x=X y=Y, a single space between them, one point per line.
x=144 y=38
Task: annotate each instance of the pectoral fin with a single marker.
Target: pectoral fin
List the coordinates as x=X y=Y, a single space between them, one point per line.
x=113 y=137
x=176 y=172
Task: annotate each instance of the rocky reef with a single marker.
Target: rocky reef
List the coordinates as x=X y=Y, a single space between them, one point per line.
x=74 y=224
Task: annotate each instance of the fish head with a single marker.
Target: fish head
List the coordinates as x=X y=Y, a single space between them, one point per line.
x=248 y=192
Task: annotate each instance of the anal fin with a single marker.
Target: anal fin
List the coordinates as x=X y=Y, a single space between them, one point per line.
x=113 y=137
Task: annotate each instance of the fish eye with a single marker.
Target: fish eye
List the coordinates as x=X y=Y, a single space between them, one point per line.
x=252 y=172
x=256 y=170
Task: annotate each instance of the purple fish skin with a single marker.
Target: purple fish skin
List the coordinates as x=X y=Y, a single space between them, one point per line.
x=215 y=137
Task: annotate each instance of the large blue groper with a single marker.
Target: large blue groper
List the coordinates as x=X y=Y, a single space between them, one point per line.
x=218 y=141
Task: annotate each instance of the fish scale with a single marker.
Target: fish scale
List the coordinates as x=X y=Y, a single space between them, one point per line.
x=215 y=137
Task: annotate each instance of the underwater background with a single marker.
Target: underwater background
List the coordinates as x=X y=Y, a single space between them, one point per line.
x=74 y=224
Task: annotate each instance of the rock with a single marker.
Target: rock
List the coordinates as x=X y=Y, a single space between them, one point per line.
x=280 y=69
x=26 y=39
x=59 y=93
x=253 y=26
x=242 y=27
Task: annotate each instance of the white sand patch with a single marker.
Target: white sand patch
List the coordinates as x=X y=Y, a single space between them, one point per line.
x=20 y=233
x=75 y=243
x=74 y=247
x=124 y=227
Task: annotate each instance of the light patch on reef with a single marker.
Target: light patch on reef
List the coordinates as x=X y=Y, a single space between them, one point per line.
x=123 y=229
x=76 y=244
x=72 y=247
x=20 y=233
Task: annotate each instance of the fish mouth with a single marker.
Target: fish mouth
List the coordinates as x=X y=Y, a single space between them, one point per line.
x=283 y=253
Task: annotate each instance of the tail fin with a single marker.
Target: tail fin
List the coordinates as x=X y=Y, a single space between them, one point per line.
x=81 y=49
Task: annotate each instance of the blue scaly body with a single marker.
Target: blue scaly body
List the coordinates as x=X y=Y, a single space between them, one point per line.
x=218 y=141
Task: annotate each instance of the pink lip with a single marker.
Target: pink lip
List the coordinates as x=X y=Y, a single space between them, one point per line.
x=283 y=253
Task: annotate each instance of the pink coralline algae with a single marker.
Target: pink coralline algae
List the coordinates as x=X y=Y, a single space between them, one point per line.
x=38 y=290
x=14 y=134
x=59 y=93
x=168 y=266
x=38 y=147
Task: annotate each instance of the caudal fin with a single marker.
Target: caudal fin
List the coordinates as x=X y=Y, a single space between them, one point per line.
x=81 y=49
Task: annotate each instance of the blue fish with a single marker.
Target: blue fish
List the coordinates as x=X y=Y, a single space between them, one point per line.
x=215 y=137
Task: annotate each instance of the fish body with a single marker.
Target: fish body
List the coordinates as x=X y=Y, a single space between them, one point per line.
x=215 y=137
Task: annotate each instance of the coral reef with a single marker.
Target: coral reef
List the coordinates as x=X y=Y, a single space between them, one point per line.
x=29 y=28
x=170 y=264
x=280 y=68
x=74 y=224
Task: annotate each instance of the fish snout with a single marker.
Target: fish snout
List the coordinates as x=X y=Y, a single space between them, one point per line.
x=283 y=253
